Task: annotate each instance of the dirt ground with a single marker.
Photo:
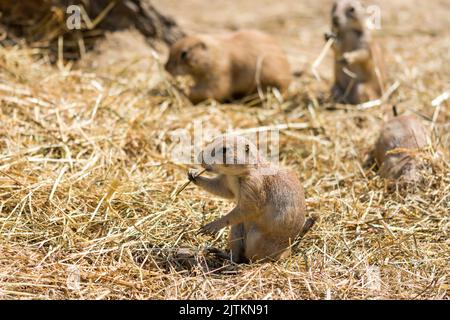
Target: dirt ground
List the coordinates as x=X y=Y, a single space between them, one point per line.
x=86 y=176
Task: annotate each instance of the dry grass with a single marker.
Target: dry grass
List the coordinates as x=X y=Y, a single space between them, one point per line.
x=85 y=177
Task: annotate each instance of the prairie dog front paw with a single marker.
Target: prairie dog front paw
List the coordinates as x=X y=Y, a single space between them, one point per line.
x=192 y=175
x=211 y=228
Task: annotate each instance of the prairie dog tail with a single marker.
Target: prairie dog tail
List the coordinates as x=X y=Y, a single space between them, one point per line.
x=309 y=223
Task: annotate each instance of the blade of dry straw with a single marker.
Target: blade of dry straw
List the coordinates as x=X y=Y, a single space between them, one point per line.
x=379 y=102
x=104 y=13
x=278 y=127
x=437 y=103
x=12 y=178
x=320 y=58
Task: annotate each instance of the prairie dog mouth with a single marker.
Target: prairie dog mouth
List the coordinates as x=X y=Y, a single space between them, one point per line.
x=207 y=167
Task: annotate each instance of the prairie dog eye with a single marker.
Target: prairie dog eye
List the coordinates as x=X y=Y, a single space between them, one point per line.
x=350 y=11
x=183 y=55
x=247 y=148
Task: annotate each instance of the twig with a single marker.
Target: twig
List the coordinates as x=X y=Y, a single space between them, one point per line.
x=186 y=184
x=320 y=58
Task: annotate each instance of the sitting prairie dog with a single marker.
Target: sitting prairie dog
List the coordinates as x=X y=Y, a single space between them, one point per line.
x=230 y=65
x=406 y=134
x=358 y=68
x=270 y=209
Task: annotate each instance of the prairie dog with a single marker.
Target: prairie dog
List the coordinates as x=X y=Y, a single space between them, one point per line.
x=403 y=132
x=357 y=77
x=230 y=65
x=270 y=203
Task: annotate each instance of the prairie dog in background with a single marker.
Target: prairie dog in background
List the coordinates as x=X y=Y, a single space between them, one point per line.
x=231 y=65
x=357 y=76
x=270 y=202
x=404 y=133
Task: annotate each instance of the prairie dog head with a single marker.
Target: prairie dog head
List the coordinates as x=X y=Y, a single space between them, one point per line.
x=188 y=56
x=347 y=15
x=399 y=135
x=231 y=155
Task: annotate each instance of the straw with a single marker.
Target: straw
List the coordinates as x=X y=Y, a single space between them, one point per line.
x=88 y=170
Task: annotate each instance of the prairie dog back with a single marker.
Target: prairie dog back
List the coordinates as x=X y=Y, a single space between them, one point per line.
x=230 y=65
x=402 y=132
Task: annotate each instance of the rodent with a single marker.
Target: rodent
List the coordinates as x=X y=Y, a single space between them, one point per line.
x=406 y=134
x=358 y=66
x=231 y=65
x=270 y=203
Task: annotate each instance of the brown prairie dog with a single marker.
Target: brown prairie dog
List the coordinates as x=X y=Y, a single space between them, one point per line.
x=231 y=65
x=270 y=204
x=358 y=69
x=402 y=132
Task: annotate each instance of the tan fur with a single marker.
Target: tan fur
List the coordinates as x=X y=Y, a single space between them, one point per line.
x=270 y=204
x=403 y=132
x=230 y=65
x=355 y=51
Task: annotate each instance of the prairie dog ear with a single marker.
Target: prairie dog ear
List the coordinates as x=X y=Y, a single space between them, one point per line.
x=186 y=53
x=199 y=45
x=356 y=7
x=334 y=7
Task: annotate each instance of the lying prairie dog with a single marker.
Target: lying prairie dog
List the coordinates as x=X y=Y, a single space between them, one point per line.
x=231 y=65
x=358 y=65
x=270 y=202
x=406 y=134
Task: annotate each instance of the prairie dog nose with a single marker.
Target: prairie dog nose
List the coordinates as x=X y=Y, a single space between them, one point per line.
x=336 y=21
